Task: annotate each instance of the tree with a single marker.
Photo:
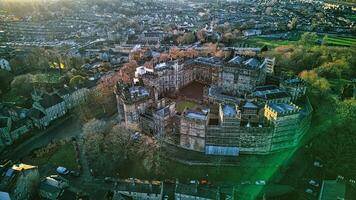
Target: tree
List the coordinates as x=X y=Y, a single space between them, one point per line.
x=269 y=10
x=76 y=80
x=335 y=69
x=292 y=23
x=201 y=35
x=318 y=83
x=187 y=38
x=5 y=80
x=22 y=85
x=308 y=38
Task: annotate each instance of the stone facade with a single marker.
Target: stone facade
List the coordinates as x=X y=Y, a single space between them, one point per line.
x=239 y=112
x=192 y=129
x=241 y=75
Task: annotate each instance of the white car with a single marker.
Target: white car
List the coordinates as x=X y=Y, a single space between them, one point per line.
x=311 y=192
x=317 y=164
x=62 y=170
x=313 y=183
x=260 y=182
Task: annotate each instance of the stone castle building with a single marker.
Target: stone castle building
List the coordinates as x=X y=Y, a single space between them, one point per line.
x=239 y=113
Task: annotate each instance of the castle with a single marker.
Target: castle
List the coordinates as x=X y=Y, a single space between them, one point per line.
x=235 y=111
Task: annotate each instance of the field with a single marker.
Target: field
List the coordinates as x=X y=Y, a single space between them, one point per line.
x=340 y=41
x=260 y=42
x=63 y=155
x=351 y=17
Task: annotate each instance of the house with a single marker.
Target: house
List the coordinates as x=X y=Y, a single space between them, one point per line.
x=5 y=65
x=251 y=32
x=14 y=122
x=19 y=181
x=46 y=108
x=338 y=189
x=188 y=192
x=73 y=96
x=137 y=190
x=53 y=187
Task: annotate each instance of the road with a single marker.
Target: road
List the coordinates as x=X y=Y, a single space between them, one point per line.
x=69 y=126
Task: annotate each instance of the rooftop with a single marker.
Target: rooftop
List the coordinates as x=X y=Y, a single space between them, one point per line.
x=138 y=91
x=196 y=115
x=229 y=110
x=49 y=100
x=283 y=107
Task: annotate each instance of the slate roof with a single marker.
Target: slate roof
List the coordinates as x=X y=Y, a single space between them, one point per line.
x=35 y=113
x=48 y=100
x=283 y=107
x=193 y=190
x=237 y=60
x=252 y=62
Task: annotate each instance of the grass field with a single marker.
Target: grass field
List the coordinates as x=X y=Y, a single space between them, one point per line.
x=64 y=155
x=184 y=104
x=260 y=42
x=351 y=17
x=342 y=41
x=49 y=78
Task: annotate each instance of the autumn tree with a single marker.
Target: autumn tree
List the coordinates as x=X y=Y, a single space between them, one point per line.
x=292 y=24
x=22 y=85
x=5 y=80
x=186 y=38
x=76 y=80
x=313 y=79
x=308 y=38
x=335 y=69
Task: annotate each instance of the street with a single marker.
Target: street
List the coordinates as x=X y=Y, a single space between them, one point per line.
x=68 y=126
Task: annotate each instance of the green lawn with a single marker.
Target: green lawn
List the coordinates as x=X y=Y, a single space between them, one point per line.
x=343 y=41
x=64 y=155
x=260 y=42
x=351 y=17
x=184 y=104
x=50 y=78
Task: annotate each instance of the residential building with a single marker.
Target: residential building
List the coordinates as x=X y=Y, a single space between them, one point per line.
x=46 y=108
x=19 y=181
x=241 y=75
x=193 y=125
x=4 y=64
x=14 y=122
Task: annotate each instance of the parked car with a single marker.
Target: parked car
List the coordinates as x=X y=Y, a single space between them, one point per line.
x=311 y=192
x=74 y=173
x=109 y=179
x=245 y=182
x=204 y=182
x=317 y=164
x=313 y=183
x=62 y=170
x=260 y=182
